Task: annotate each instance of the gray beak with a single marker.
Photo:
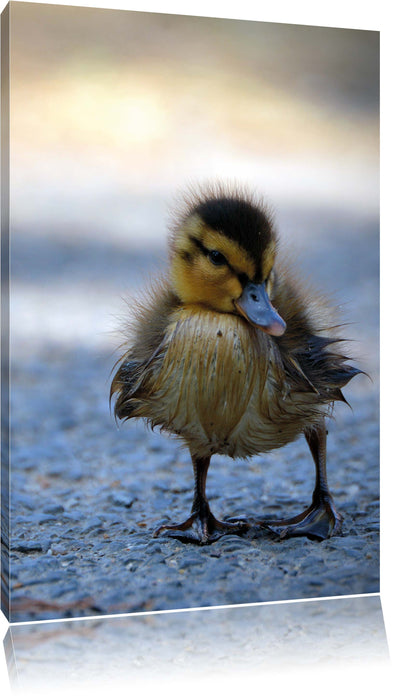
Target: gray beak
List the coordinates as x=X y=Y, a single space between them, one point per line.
x=255 y=306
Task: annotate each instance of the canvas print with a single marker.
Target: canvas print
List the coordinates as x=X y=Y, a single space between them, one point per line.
x=190 y=261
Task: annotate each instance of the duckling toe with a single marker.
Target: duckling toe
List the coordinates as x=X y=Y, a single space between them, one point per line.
x=202 y=528
x=318 y=522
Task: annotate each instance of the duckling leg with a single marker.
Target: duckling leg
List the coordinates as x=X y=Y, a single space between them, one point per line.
x=201 y=527
x=321 y=519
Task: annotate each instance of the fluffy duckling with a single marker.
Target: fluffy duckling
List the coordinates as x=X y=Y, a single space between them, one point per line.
x=233 y=357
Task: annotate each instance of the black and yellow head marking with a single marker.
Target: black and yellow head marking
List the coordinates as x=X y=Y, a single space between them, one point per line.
x=222 y=244
x=243 y=223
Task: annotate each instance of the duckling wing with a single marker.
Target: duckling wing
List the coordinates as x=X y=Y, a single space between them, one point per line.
x=146 y=330
x=309 y=350
x=129 y=383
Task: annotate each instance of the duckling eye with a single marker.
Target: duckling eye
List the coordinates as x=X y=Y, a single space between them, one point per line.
x=216 y=258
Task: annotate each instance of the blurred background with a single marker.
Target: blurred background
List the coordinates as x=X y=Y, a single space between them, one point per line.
x=113 y=111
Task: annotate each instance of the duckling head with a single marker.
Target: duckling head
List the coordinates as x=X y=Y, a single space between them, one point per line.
x=223 y=249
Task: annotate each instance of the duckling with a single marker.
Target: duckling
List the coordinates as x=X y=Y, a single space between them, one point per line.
x=231 y=355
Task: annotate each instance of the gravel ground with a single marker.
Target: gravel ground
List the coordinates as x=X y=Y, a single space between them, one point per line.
x=87 y=496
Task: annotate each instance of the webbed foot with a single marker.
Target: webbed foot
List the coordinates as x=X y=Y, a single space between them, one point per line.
x=201 y=527
x=320 y=521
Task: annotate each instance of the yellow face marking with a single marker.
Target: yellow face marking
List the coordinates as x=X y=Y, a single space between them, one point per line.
x=192 y=228
x=183 y=243
x=197 y=280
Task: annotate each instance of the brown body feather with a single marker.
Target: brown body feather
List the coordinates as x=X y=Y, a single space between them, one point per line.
x=223 y=385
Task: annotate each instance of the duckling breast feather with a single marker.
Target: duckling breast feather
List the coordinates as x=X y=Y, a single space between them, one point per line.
x=211 y=366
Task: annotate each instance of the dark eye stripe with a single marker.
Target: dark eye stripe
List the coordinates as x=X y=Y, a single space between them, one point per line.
x=243 y=278
x=199 y=244
x=214 y=256
x=185 y=255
